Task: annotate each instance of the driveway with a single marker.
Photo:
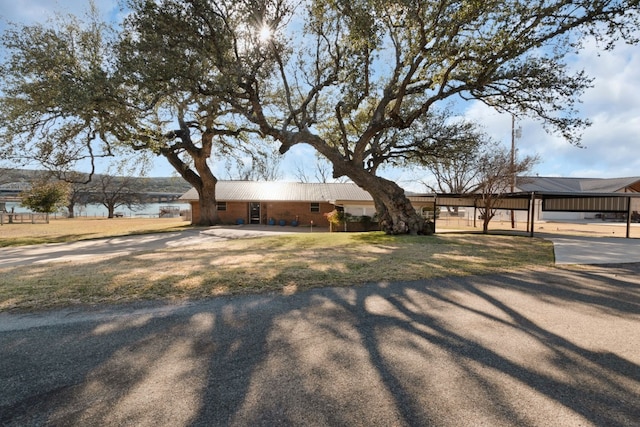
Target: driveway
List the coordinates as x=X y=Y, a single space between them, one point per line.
x=593 y=250
x=119 y=246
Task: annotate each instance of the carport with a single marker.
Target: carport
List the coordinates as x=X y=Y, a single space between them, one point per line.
x=550 y=201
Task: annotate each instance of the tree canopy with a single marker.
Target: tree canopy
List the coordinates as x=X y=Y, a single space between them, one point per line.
x=358 y=77
x=56 y=93
x=496 y=171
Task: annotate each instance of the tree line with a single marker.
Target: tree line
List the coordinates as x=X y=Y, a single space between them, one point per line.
x=167 y=184
x=367 y=84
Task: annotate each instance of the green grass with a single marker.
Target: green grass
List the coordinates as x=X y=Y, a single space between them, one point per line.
x=284 y=264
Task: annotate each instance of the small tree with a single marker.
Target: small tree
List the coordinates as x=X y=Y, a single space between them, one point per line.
x=115 y=191
x=78 y=195
x=45 y=197
x=495 y=170
x=77 y=184
x=335 y=218
x=455 y=168
x=453 y=174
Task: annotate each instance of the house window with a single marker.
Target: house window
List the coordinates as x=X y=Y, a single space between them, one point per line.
x=221 y=206
x=315 y=207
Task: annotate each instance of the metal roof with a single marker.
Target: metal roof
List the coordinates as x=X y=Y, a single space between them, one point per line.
x=577 y=185
x=260 y=191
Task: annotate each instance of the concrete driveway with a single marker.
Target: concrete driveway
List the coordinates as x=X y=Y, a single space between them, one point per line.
x=593 y=250
x=119 y=246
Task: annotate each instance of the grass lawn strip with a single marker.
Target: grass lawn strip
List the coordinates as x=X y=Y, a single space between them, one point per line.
x=284 y=264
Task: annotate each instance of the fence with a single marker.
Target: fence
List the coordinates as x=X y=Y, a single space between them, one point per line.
x=24 y=218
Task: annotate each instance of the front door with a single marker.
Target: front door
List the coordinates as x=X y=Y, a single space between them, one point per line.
x=254 y=213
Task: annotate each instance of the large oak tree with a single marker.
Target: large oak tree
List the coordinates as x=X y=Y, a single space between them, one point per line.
x=74 y=90
x=55 y=94
x=353 y=78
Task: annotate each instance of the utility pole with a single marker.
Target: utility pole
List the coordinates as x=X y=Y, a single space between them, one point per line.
x=515 y=133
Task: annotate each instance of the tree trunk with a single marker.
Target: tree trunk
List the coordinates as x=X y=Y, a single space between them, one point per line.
x=71 y=207
x=208 y=205
x=487 y=217
x=206 y=190
x=396 y=214
x=203 y=181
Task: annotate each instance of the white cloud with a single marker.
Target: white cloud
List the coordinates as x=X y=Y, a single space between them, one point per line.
x=616 y=79
x=611 y=144
x=26 y=11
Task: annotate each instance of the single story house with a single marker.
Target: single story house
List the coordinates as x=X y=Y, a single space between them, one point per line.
x=289 y=203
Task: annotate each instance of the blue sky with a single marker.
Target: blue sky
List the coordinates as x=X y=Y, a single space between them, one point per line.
x=612 y=143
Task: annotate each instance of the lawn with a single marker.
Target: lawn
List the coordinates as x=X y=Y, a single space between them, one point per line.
x=283 y=264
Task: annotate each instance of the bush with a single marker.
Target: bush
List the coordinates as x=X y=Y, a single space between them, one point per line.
x=45 y=197
x=335 y=217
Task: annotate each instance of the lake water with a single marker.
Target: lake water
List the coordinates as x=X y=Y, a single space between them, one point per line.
x=150 y=210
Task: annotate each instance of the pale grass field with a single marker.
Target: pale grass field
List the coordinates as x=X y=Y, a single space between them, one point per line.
x=282 y=264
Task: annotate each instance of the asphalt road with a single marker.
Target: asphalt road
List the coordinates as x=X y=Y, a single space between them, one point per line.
x=552 y=348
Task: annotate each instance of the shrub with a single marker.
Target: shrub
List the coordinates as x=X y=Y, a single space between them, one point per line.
x=335 y=217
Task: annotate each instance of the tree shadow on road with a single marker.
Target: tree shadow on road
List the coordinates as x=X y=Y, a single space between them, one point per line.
x=508 y=354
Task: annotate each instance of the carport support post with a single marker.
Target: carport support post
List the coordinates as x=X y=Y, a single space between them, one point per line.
x=435 y=207
x=532 y=209
x=628 y=217
x=475 y=213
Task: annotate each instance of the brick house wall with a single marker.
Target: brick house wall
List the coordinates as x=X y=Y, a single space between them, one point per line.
x=234 y=210
x=287 y=211
x=301 y=211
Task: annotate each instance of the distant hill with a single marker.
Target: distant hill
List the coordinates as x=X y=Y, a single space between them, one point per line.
x=172 y=184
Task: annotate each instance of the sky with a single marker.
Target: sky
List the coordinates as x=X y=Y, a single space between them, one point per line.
x=611 y=144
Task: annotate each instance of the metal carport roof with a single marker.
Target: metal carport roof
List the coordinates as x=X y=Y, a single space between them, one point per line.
x=551 y=201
